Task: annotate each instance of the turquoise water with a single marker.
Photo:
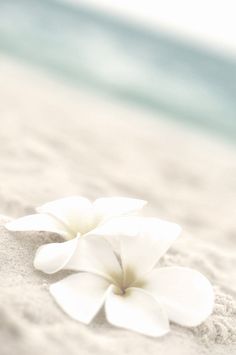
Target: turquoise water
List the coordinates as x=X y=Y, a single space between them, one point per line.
x=142 y=67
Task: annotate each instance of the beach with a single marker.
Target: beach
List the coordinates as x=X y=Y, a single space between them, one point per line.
x=58 y=140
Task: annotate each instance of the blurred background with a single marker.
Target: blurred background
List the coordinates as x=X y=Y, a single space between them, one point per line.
x=176 y=58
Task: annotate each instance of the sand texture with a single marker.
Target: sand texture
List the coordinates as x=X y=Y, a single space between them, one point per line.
x=56 y=141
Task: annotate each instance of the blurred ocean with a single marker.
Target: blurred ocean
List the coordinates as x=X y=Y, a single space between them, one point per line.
x=133 y=64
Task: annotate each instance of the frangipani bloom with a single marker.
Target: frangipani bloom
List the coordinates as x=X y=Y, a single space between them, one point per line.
x=71 y=217
x=136 y=294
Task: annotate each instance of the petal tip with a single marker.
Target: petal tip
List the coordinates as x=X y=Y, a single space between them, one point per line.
x=39 y=264
x=12 y=226
x=154 y=333
x=53 y=257
x=9 y=226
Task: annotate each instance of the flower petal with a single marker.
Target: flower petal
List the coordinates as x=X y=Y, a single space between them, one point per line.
x=75 y=212
x=80 y=295
x=148 y=232
x=113 y=228
x=137 y=311
x=186 y=294
x=94 y=254
x=53 y=257
x=37 y=222
x=143 y=241
x=116 y=206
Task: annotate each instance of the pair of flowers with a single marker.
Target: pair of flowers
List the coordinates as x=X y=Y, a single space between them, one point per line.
x=115 y=255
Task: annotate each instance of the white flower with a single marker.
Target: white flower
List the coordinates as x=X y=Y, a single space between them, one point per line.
x=71 y=217
x=136 y=294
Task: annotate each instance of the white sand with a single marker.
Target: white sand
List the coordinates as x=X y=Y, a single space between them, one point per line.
x=56 y=142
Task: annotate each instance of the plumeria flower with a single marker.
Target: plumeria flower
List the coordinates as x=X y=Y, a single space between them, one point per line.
x=135 y=292
x=72 y=218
